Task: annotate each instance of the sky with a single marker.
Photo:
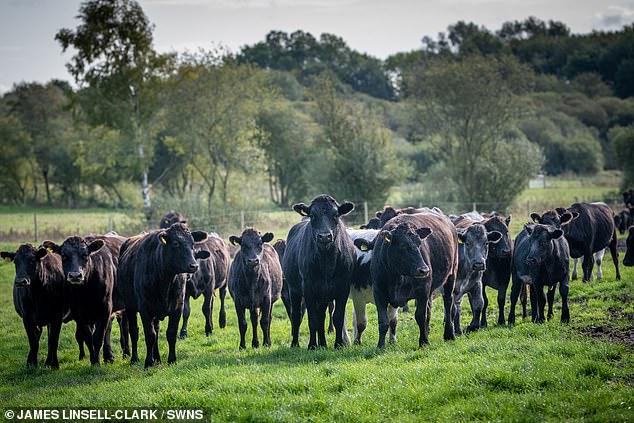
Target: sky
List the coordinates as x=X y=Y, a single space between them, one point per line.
x=28 y=51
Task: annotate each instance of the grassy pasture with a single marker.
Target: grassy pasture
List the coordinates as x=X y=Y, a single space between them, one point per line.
x=528 y=373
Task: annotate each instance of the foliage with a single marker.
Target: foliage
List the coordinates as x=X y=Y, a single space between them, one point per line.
x=623 y=140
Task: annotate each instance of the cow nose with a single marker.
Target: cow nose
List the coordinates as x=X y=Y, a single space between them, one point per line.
x=193 y=267
x=253 y=261
x=22 y=281
x=422 y=271
x=325 y=237
x=478 y=266
x=74 y=275
x=531 y=260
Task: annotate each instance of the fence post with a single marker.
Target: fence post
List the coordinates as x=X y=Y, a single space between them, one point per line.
x=474 y=206
x=241 y=220
x=35 y=227
x=365 y=211
x=528 y=208
x=110 y=225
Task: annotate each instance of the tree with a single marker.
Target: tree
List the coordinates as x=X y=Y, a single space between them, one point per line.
x=623 y=140
x=362 y=163
x=284 y=135
x=468 y=108
x=117 y=65
x=17 y=168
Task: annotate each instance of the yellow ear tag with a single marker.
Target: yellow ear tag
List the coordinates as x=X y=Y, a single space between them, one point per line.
x=49 y=249
x=163 y=240
x=364 y=247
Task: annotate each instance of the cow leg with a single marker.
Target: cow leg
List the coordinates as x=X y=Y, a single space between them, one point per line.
x=615 y=255
x=54 y=329
x=79 y=337
x=320 y=328
x=108 y=356
x=574 y=269
x=242 y=325
x=447 y=297
x=477 y=302
x=312 y=325
x=550 y=296
x=331 y=310
x=265 y=321
x=502 y=288
x=563 y=291
x=134 y=335
x=485 y=305
x=381 y=310
x=124 y=337
x=421 y=318
x=516 y=287
x=359 y=317
x=339 y=317
x=598 y=260
x=523 y=294
x=254 y=313
x=286 y=300
x=150 y=339
x=157 y=329
x=33 y=333
x=98 y=338
x=170 y=334
x=296 y=317
x=587 y=265
x=222 y=317
x=186 y=313
x=534 y=303
x=87 y=335
x=207 y=309
x=392 y=315
x=457 y=309
x=541 y=302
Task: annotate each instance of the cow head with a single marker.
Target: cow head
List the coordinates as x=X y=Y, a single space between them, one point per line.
x=504 y=247
x=250 y=243
x=177 y=244
x=558 y=218
x=388 y=213
x=476 y=240
x=75 y=253
x=622 y=220
x=170 y=218
x=540 y=242
x=401 y=246
x=374 y=223
x=629 y=253
x=325 y=215
x=25 y=260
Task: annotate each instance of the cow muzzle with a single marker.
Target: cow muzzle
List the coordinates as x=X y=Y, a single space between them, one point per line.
x=477 y=267
x=21 y=282
x=75 y=277
x=192 y=268
x=253 y=262
x=325 y=238
x=421 y=272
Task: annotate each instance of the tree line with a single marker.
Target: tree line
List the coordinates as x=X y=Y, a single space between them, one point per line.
x=470 y=116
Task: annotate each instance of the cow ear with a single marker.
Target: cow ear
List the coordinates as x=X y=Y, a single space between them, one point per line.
x=560 y=210
x=202 y=254
x=7 y=255
x=494 y=237
x=508 y=220
x=267 y=237
x=345 y=208
x=235 y=240
x=529 y=228
x=95 y=246
x=378 y=214
x=363 y=244
x=387 y=236
x=199 y=236
x=51 y=246
x=565 y=218
x=556 y=234
x=363 y=227
x=41 y=253
x=574 y=215
x=302 y=209
x=163 y=237
x=536 y=218
x=461 y=233
x=423 y=232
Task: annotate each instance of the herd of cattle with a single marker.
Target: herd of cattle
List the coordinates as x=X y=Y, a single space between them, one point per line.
x=399 y=255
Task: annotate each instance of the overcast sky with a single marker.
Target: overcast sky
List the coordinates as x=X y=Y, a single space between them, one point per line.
x=379 y=27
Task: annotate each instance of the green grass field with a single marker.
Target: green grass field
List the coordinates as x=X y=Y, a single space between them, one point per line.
x=528 y=373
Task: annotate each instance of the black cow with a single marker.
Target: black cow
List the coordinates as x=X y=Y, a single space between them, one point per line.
x=628 y=198
x=373 y=223
x=473 y=252
x=390 y=212
x=151 y=281
x=210 y=276
x=628 y=260
x=170 y=218
x=280 y=248
x=255 y=283
x=413 y=256
x=38 y=298
x=623 y=220
x=89 y=273
x=318 y=264
x=590 y=230
x=541 y=259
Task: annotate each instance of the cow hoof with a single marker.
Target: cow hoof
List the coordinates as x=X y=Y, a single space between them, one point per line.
x=242 y=347
x=52 y=365
x=82 y=356
x=312 y=347
x=208 y=334
x=255 y=345
x=222 y=322
x=183 y=335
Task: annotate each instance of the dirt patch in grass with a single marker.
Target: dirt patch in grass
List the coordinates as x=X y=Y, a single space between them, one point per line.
x=621 y=336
